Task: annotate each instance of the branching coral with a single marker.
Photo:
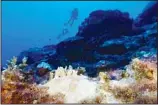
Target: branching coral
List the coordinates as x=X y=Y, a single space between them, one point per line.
x=16 y=90
x=136 y=84
x=22 y=93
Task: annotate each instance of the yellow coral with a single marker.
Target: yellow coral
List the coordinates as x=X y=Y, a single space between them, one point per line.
x=142 y=70
x=124 y=74
x=127 y=95
x=104 y=78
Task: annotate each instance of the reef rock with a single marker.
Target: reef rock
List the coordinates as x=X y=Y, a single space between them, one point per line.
x=100 y=22
x=149 y=15
x=37 y=55
x=71 y=48
x=105 y=40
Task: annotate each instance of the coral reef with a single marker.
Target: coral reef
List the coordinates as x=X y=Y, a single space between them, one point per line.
x=136 y=84
x=112 y=59
x=149 y=14
x=16 y=89
x=96 y=52
x=144 y=85
x=68 y=82
x=102 y=21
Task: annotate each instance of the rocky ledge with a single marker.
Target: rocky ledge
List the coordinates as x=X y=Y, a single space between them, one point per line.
x=105 y=40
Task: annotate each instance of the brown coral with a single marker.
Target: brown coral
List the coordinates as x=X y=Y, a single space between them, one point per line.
x=146 y=100
x=52 y=99
x=144 y=88
x=96 y=100
x=127 y=95
x=19 y=93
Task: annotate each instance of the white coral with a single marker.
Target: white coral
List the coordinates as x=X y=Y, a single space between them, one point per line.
x=60 y=72
x=75 y=87
x=78 y=88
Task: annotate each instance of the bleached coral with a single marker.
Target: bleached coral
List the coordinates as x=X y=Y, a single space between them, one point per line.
x=136 y=84
x=66 y=81
x=79 y=88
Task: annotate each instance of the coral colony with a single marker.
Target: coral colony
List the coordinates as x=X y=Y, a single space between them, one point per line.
x=112 y=59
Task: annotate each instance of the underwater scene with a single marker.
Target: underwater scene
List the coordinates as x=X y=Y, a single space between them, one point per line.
x=86 y=52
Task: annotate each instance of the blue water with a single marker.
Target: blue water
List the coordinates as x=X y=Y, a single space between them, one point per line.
x=32 y=24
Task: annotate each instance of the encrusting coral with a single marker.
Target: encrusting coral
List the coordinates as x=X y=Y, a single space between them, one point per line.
x=136 y=84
